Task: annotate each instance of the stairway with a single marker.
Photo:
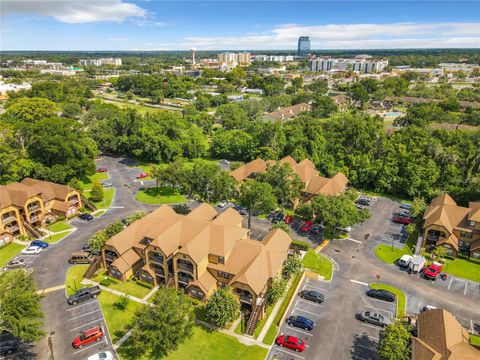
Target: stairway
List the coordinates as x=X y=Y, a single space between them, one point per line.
x=88 y=204
x=252 y=321
x=92 y=268
x=36 y=233
x=170 y=280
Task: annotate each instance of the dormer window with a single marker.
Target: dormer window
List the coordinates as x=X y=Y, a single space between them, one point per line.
x=472 y=223
x=221 y=260
x=146 y=241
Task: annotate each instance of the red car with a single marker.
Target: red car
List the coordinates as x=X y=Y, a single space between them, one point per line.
x=87 y=337
x=402 y=220
x=433 y=271
x=101 y=169
x=307 y=226
x=142 y=175
x=288 y=220
x=290 y=342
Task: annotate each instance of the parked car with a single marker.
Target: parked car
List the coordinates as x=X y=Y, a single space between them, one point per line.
x=312 y=295
x=374 y=318
x=406 y=206
x=242 y=211
x=402 y=220
x=88 y=249
x=433 y=270
x=288 y=220
x=345 y=230
x=317 y=229
x=278 y=216
x=101 y=169
x=85 y=216
x=107 y=184
x=222 y=204
x=290 y=342
x=404 y=261
x=362 y=201
x=417 y=263
x=83 y=295
x=104 y=355
x=31 y=250
x=306 y=227
x=224 y=161
x=381 y=295
x=15 y=263
x=404 y=213
x=296 y=224
x=360 y=207
x=9 y=347
x=40 y=243
x=301 y=322
x=87 y=337
x=81 y=257
x=428 y=307
x=142 y=175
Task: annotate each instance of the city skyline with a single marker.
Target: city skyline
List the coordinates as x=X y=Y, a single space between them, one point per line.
x=206 y=25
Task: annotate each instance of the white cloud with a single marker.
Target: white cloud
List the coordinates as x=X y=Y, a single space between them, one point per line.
x=76 y=11
x=350 y=36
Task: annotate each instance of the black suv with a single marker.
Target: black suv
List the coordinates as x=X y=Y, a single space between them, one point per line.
x=277 y=217
x=314 y=296
x=381 y=294
x=83 y=295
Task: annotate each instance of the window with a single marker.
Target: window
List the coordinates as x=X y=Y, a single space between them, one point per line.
x=223 y=274
x=472 y=223
x=466 y=235
x=221 y=259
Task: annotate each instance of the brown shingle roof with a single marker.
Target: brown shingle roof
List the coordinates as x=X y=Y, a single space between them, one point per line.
x=229 y=217
x=17 y=194
x=206 y=282
x=288 y=112
x=441 y=337
x=49 y=190
x=325 y=186
x=126 y=261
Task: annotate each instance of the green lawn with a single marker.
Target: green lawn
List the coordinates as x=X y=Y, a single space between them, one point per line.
x=318 y=264
x=463 y=268
x=59 y=226
x=56 y=238
x=475 y=340
x=272 y=331
x=87 y=182
x=262 y=322
x=117 y=319
x=74 y=278
x=401 y=298
x=389 y=256
x=207 y=345
x=160 y=195
x=128 y=287
x=99 y=213
x=107 y=199
x=8 y=252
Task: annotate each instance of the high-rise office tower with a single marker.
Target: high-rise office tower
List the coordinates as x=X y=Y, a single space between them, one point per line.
x=303 y=45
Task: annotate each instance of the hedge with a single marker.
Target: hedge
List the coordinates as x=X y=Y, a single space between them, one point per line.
x=299 y=245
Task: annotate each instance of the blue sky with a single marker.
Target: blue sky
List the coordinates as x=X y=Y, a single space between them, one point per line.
x=255 y=25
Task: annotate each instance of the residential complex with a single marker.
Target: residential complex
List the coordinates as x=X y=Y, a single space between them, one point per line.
x=455 y=227
x=313 y=183
x=303 y=45
x=198 y=252
x=31 y=203
x=287 y=113
x=441 y=337
x=100 y=62
x=361 y=63
x=273 y=58
x=234 y=58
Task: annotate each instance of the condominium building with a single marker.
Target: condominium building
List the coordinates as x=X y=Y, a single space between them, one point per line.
x=457 y=228
x=234 y=58
x=273 y=58
x=361 y=63
x=313 y=183
x=198 y=252
x=32 y=203
x=100 y=62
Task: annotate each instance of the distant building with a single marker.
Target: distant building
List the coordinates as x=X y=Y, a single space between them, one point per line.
x=4 y=88
x=287 y=113
x=273 y=58
x=101 y=62
x=454 y=67
x=303 y=45
x=361 y=63
x=234 y=58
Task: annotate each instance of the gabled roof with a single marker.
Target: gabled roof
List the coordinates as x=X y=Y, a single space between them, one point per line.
x=49 y=190
x=440 y=336
x=229 y=217
x=474 y=214
x=203 y=212
x=126 y=261
x=243 y=172
x=325 y=186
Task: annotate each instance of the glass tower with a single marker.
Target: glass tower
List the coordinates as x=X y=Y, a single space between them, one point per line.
x=303 y=45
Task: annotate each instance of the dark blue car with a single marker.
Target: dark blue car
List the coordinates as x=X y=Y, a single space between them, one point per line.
x=301 y=322
x=85 y=216
x=39 y=243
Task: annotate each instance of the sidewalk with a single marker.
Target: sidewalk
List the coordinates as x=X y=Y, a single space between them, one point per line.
x=119 y=293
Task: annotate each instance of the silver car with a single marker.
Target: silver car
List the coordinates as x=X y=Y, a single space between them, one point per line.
x=374 y=318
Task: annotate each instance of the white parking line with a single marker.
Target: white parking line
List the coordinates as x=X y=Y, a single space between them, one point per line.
x=373 y=338
x=314 y=287
x=79 y=316
x=310 y=302
x=306 y=311
x=366 y=347
x=288 y=352
x=297 y=329
x=465 y=291
x=357 y=241
x=89 y=347
x=370 y=326
x=80 y=305
x=450 y=284
x=91 y=322
x=359 y=282
x=387 y=311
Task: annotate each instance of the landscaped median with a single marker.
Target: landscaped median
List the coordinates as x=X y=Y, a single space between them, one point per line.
x=389 y=255
x=160 y=195
x=399 y=294
x=318 y=263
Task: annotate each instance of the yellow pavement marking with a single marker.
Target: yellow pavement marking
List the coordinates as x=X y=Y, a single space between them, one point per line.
x=54 y=288
x=320 y=247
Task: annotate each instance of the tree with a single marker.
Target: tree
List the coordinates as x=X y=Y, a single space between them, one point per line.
x=134 y=217
x=418 y=206
x=395 y=342
x=276 y=289
x=20 y=309
x=157 y=172
x=71 y=110
x=231 y=116
x=181 y=209
x=222 y=307
x=304 y=212
x=160 y=328
x=97 y=240
x=113 y=229
x=285 y=182
x=293 y=266
x=439 y=252
x=96 y=195
x=281 y=225
x=256 y=196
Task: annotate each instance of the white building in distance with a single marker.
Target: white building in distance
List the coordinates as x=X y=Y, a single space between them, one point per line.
x=361 y=63
x=273 y=58
x=100 y=62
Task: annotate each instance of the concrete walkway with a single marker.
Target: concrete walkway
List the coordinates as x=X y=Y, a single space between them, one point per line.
x=122 y=340
x=154 y=290
x=119 y=293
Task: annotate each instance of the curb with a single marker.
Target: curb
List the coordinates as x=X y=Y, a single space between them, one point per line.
x=293 y=296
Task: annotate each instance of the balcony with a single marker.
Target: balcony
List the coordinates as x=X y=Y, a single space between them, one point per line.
x=34 y=218
x=9 y=219
x=73 y=200
x=12 y=228
x=245 y=298
x=33 y=207
x=184 y=279
x=158 y=270
x=156 y=258
x=110 y=256
x=185 y=266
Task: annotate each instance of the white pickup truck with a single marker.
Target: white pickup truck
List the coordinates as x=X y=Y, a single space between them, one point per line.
x=414 y=263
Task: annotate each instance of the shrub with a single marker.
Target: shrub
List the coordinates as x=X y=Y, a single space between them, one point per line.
x=181 y=209
x=122 y=302
x=222 y=307
x=293 y=266
x=105 y=282
x=276 y=290
x=299 y=245
x=144 y=284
